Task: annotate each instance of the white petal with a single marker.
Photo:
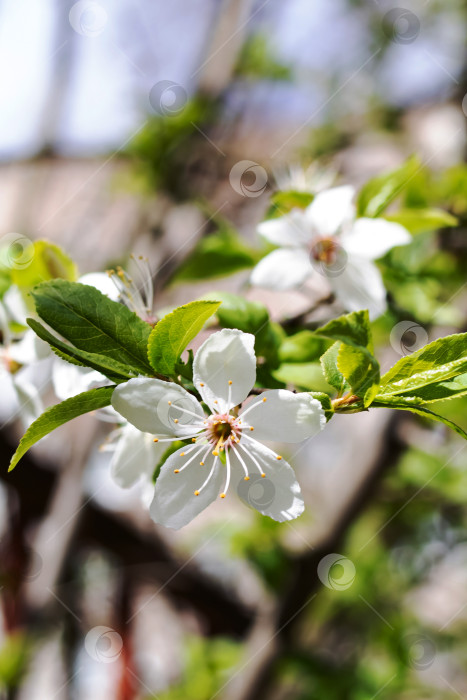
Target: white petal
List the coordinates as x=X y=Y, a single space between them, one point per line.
x=29 y=349
x=292 y=229
x=102 y=282
x=69 y=380
x=30 y=402
x=174 y=503
x=157 y=407
x=284 y=416
x=277 y=494
x=360 y=286
x=15 y=305
x=331 y=210
x=282 y=269
x=372 y=238
x=226 y=356
x=136 y=455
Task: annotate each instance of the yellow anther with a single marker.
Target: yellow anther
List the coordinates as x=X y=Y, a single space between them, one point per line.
x=201 y=384
x=222 y=495
x=246 y=478
x=156 y=440
x=230 y=381
x=263 y=475
x=175 y=420
x=169 y=402
x=193 y=439
x=215 y=453
x=265 y=399
x=196 y=493
x=215 y=401
x=182 y=454
x=278 y=457
x=176 y=471
x=202 y=464
x=251 y=428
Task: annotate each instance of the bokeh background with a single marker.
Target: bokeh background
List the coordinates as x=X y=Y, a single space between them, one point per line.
x=120 y=125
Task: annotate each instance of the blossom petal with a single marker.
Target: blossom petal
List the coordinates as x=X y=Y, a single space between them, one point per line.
x=157 y=407
x=136 y=455
x=282 y=269
x=102 y=282
x=292 y=229
x=372 y=238
x=331 y=210
x=226 y=356
x=278 y=494
x=175 y=504
x=360 y=286
x=69 y=380
x=284 y=416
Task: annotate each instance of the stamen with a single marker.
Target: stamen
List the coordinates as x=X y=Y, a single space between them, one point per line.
x=182 y=437
x=240 y=459
x=254 y=404
x=208 y=477
x=185 y=410
x=196 y=454
x=256 y=463
x=227 y=481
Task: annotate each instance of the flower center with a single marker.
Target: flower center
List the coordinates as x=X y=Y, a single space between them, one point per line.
x=325 y=250
x=223 y=430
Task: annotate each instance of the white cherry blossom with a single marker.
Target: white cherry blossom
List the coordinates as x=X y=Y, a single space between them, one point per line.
x=226 y=445
x=327 y=237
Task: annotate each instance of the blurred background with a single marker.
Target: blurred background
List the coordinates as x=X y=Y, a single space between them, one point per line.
x=121 y=125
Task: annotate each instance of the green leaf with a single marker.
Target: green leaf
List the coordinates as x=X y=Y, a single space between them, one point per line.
x=303 y=346
x=174 y=331
x=442 y=391
x=110 y=368
x=307 y=375
x=439 y=361
x=251 y=317
x=380 y=191
x=284 y=201
x=411 y=404
x=61 y=413
x=355 y=359
x=49 y=262
x=420 y=220
x=93 y=323
x=333 y=375
x=217 y=255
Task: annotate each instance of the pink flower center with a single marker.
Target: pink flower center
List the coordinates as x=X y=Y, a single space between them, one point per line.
x=223 y=430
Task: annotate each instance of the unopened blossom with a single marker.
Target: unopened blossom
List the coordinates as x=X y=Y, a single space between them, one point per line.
x=327 y=238
x=226 y=442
